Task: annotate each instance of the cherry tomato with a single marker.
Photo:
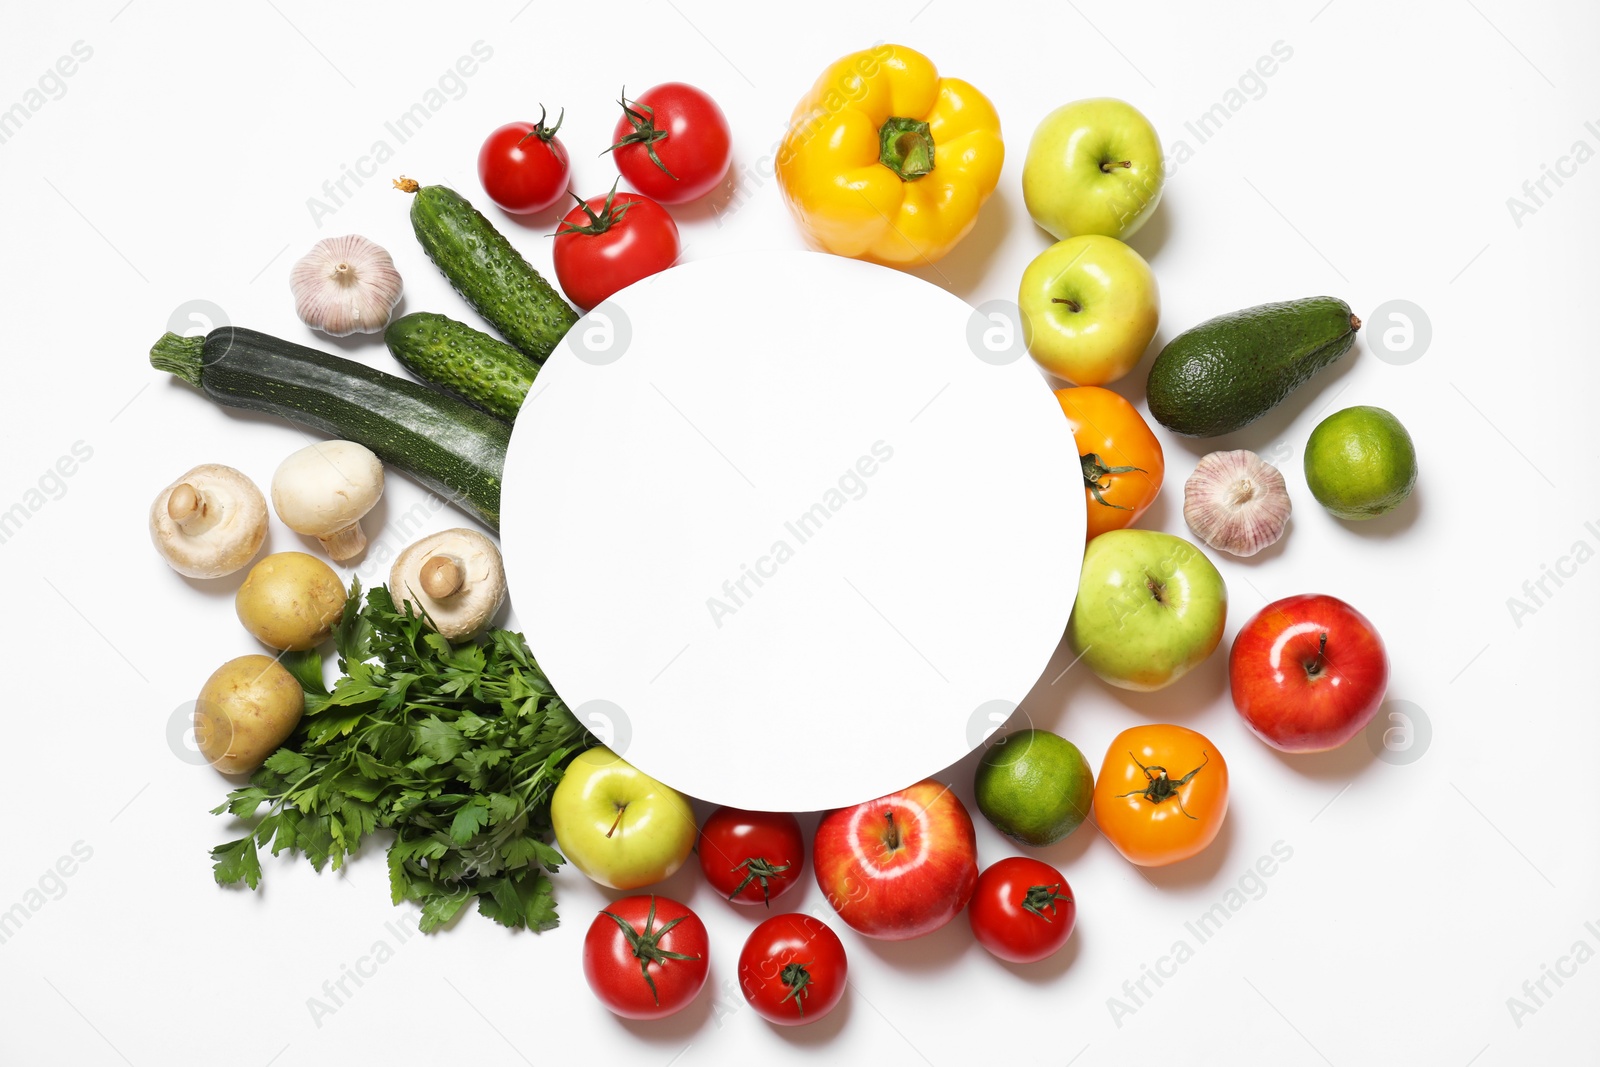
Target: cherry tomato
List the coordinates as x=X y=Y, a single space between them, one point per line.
x=792 y=969
x=645 y=957
x=1161 y=795
x=1022 y=910
x=609 y=242
x=672 y=143
x=751 y=857
x=524 y=166
x=1121 y=459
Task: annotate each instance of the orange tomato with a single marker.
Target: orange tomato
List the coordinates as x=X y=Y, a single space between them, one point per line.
x=1161 y=795
x=1121 y=458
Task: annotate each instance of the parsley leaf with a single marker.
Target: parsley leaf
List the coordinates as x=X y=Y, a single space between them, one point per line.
x=454 y=750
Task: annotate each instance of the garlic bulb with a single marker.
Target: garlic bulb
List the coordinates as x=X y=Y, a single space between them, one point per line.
x=345 y=285
x=1236 y=502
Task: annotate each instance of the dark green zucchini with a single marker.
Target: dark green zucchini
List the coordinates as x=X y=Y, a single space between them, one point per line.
x=485 y=372
x=444 y=443
x=487 y=272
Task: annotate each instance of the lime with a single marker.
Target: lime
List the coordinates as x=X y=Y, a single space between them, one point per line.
x=1035 y=786
x=1360 y=463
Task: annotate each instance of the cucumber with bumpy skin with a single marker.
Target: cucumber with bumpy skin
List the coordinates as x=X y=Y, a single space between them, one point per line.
x=481 y=370
x=487 y=272
x=444 y=443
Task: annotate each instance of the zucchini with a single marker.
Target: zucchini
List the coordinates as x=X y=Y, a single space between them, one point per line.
x=487 y=272
x=485 y=372
x=444 y=443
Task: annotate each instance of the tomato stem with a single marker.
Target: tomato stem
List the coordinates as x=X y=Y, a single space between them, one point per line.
x=540 y=130
x=1159 y=787
x=797 y=978
x=642 y=118
x=758 y=869
x=1095 y=472
x=610 y=214
x=646 y=944
x=1040 y=897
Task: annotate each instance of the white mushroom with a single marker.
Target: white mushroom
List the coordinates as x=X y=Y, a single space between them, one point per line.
x=455 y=577
x=210 y=522
x=324 y=490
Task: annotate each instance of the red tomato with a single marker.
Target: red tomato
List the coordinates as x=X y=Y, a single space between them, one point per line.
x=792 y=969
x=609 y=242
x=1022 y=910
x=645 y=957
x=672 y=143
x=524 y=166
x=750 y=857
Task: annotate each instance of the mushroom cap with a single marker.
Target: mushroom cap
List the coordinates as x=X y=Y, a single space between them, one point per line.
x=225 y=533
x=326 y=487
x=467 y=612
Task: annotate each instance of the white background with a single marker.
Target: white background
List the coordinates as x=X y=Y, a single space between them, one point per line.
x=1375 y=165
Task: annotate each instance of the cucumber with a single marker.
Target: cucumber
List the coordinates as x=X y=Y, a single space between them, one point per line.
x=486 y=373
x=487 y=272
x=1229 y=371
x=444 y=443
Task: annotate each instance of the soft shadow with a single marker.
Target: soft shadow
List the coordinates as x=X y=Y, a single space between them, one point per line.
x=962 y=271
x=1196 y=870
x=1189 y=695
x=1394 y=523
x=715 y=204
x=1053 y=967
x=676 y=1029
x=1152 y=236
x=822 y=1031
x=1343 y=764
x=933 y=952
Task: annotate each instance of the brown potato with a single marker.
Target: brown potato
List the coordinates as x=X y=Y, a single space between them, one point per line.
x=247 y=708
x=290 y=601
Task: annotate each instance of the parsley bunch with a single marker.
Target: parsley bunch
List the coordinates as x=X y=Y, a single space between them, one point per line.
x=454 y=749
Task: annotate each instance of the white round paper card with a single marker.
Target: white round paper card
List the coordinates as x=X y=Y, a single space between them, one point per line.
x=791 y=531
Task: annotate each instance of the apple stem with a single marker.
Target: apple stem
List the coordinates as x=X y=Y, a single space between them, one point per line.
x=617 y=821
x=1314 y=668
x=1072 y=305
x=893 y=840
x=1105 y=167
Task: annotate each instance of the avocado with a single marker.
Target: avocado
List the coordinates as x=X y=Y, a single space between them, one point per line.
x=1229 y=371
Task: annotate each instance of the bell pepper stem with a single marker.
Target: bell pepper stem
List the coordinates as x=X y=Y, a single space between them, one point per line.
x=906 y=147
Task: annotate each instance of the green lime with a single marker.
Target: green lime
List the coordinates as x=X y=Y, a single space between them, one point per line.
x=1035 y=786
x=1360 y=463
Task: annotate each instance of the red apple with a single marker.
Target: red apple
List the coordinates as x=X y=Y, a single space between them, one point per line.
x=1308 y=673
x=900 y=866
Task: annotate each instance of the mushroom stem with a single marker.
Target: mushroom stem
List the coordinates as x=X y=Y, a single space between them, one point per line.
x=184 y=505
x=346 y=543
x=441 y=577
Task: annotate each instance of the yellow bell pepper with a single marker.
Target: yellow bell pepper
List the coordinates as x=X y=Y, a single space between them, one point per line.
x=886 y=161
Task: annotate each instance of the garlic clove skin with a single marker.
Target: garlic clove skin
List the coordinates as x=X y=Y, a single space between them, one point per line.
x=1236 y=502
x=345 y=285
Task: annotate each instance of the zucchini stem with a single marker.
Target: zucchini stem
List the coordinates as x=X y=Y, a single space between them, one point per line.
x=179 y=355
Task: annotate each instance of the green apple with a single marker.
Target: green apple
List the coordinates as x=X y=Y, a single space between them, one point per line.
x=1093 y=166
x=1089 y=309
x=617 y=824
x=1150 y=607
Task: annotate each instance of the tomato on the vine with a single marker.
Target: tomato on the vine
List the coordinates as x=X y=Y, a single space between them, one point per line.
x=1022 y=910
x=1161 y=794
x=645 y=957
x=672 y=143
x=524 y=166
x=792 y=969
x=609 y=242
x=1121 y=459
x=751 y=857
